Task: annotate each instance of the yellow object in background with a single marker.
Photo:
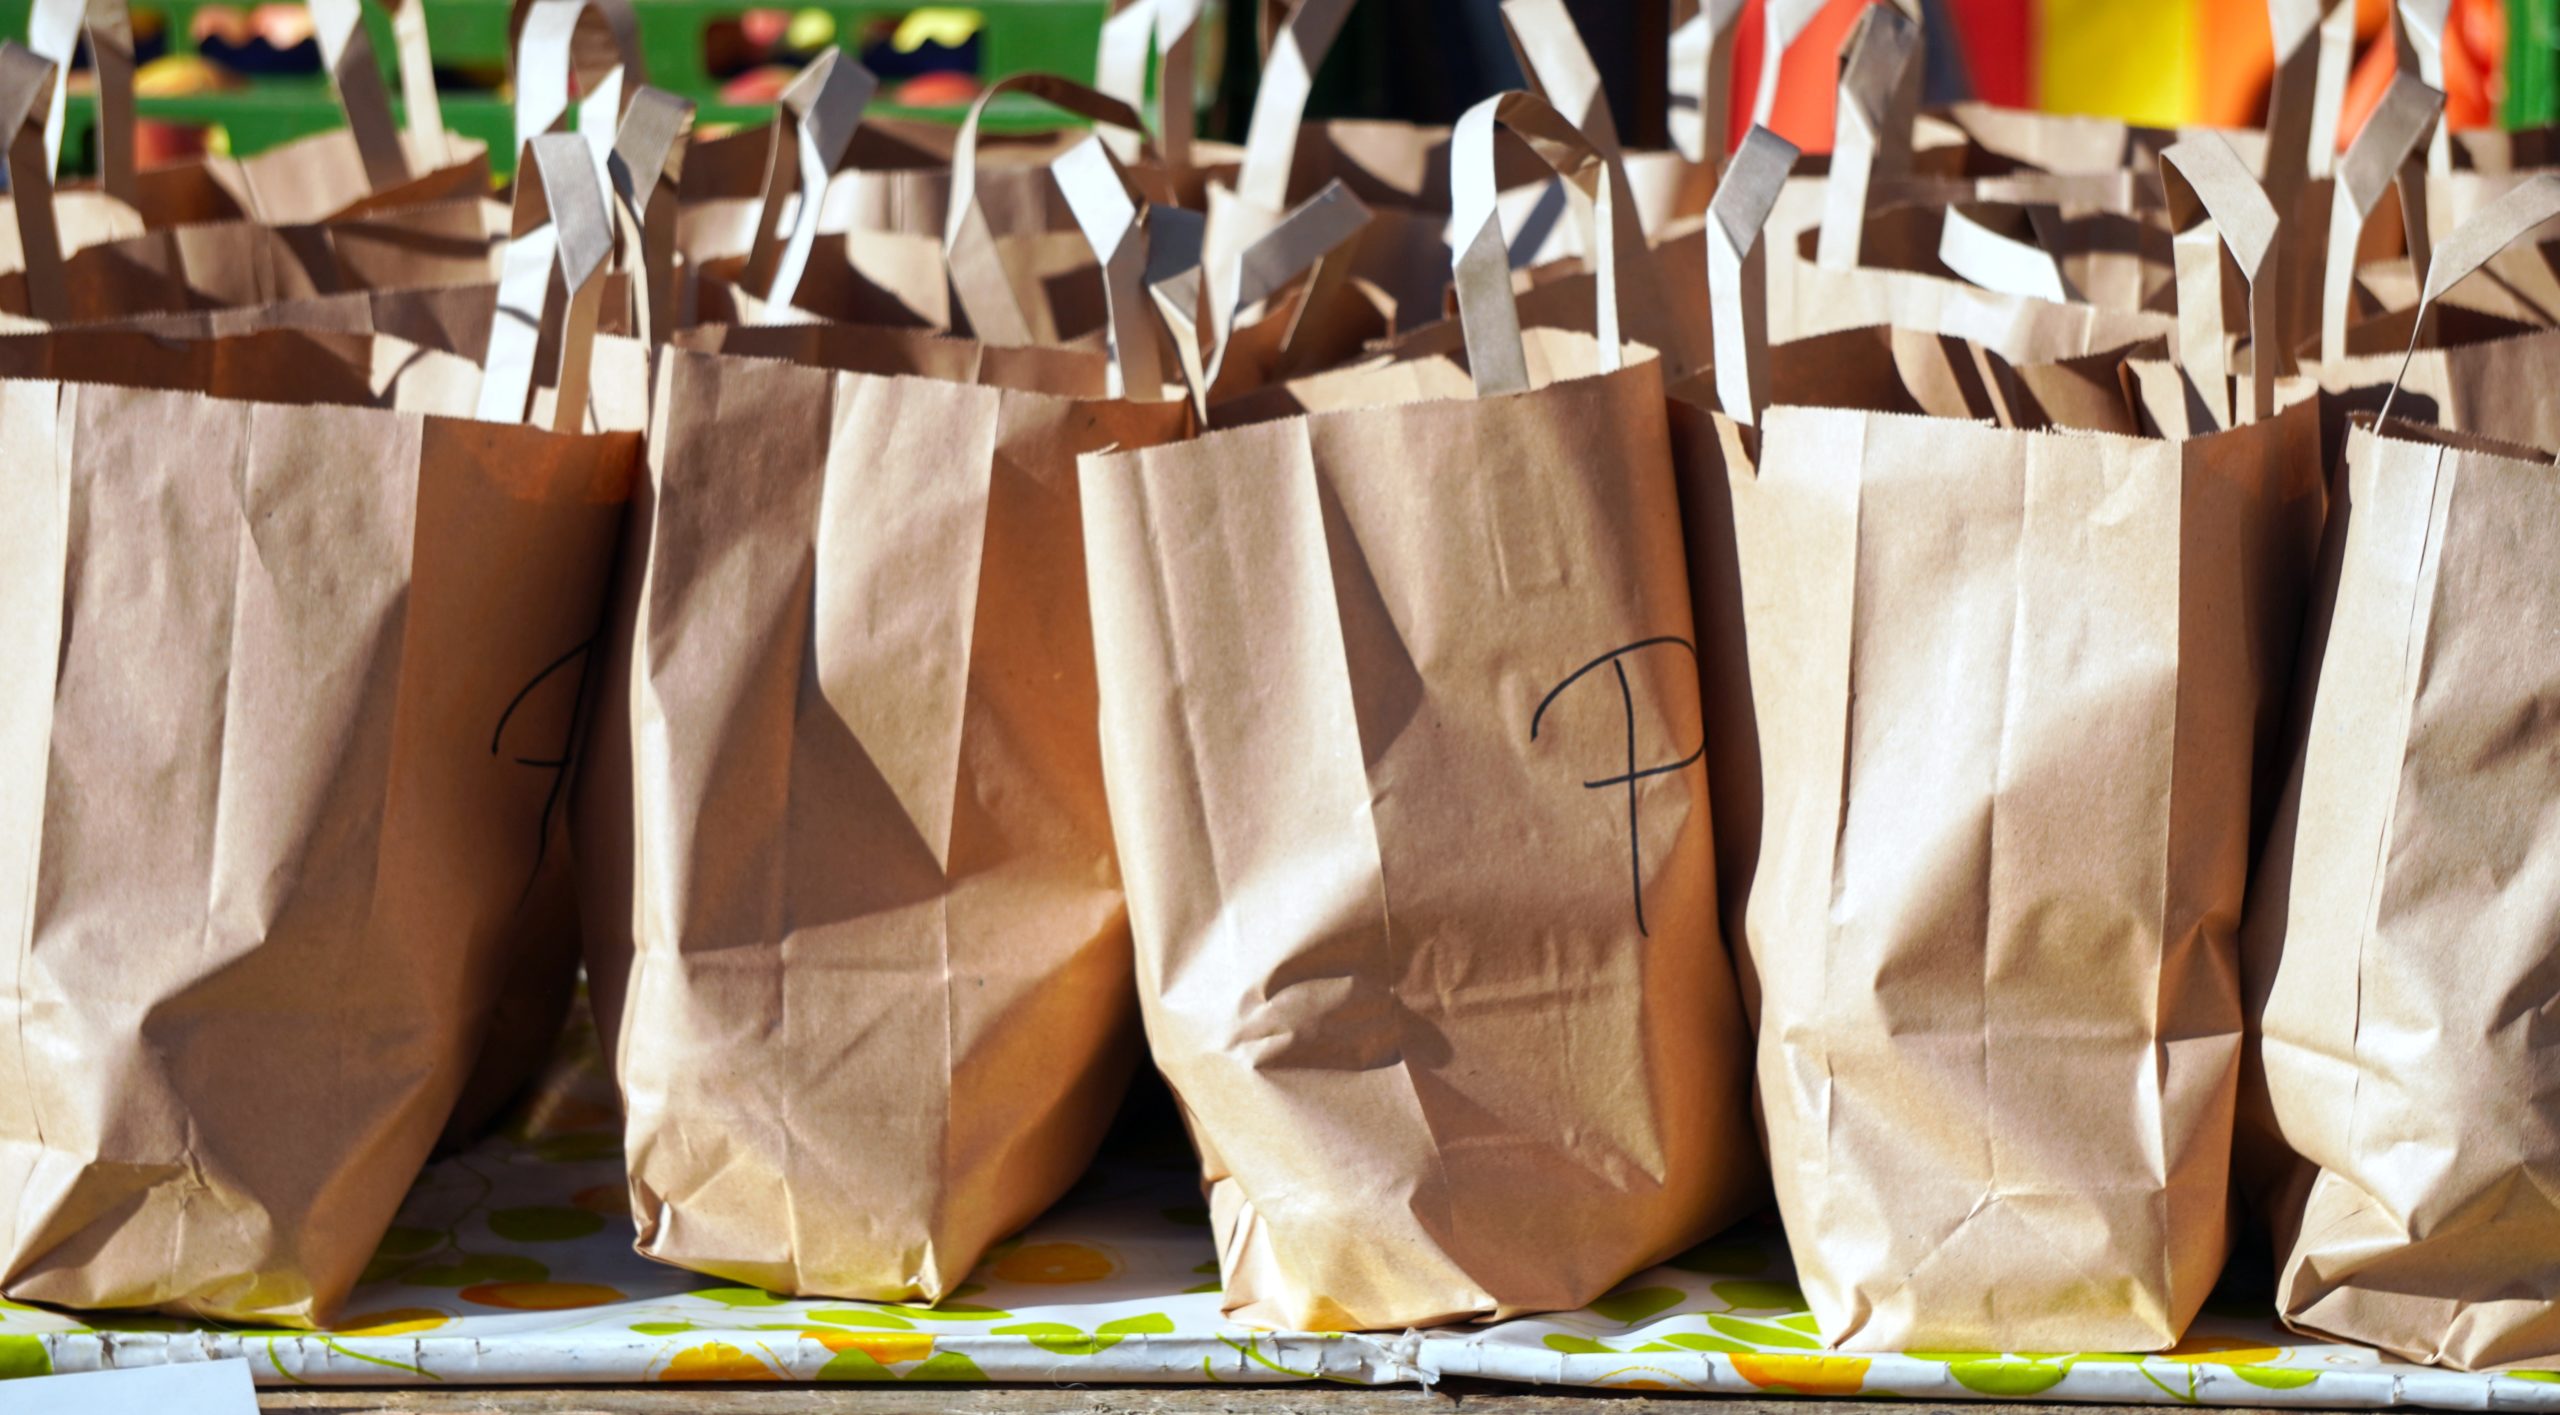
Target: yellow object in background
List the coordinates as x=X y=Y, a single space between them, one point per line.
x=811 y=29
x=936 y=24
x=2130 y=59
x=2160 y=62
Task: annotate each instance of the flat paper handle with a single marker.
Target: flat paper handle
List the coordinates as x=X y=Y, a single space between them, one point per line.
x=1135 y=31
x=1098 y=198
x=416 y=60
x=1700 y=86
x=2292 y=90
x=346 y=50
x=1304 y=239
x=1738 y=270
x=1784 y=23
x=2389 y=140
x=2474 y=244
x=2337 y=41
x=560 y=228
x=646 y=167
x=998 y=301
x=54 y=28
x=1120 y=63
x=1559 y=69
x=2215 y=205
x=1871 y=135
x=26 y=91
x=1488 y=313
x=2417 y=42
x=1291 y=52
x=813 y=129
x=2001 y=262
x=596 y=43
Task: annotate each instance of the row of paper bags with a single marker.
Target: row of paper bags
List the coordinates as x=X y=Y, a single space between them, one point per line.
x=1900 y=572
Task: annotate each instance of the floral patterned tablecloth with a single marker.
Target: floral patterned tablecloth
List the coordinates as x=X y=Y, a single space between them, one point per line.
x=512 y=1263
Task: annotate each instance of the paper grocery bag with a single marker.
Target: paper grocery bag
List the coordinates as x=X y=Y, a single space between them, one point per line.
x=2400 y=933
x=1400 y=725
x=281 y=737
x=856 y=930
x=1986 y=707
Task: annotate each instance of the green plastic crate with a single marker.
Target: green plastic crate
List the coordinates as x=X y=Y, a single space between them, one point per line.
x=1057 y=36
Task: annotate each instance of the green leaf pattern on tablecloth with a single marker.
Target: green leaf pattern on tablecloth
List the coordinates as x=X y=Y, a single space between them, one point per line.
x=513 y=1262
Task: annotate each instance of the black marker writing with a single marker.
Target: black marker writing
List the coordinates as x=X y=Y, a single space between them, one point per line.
x=557 y=763
x=1615 y=660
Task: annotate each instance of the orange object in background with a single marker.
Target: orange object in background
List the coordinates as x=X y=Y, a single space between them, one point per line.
x=1808 y=77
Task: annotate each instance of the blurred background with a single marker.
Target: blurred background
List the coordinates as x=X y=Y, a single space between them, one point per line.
x=229 y=77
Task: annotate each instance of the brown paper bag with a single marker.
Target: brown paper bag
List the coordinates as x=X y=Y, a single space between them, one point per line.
x=856 y=930
x=1424 y=908
x=2399 y=935
x=263 y=842
x=1986 y=708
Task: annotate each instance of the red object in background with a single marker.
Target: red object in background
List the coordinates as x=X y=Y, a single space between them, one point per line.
x=763 y=84
x=1998 y=38
x=939 y=90
x=157 y=143
x=1808 y=77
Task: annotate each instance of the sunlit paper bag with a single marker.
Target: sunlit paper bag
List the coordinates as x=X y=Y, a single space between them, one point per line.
x=1986 y=708
x=280 y=740
x=856 y=928
x=1400 y=724
x=2401 y=933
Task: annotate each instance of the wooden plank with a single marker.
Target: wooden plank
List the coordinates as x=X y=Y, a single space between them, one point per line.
x=1451 y=1398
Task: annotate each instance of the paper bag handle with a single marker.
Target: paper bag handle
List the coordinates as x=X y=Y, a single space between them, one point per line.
x=54 y=28
x=812 y=131
x=560 y=228
x=1305 y=241
x=1169 y=30
x=2524 y=209
x=2215 y=205
x=1871 y=134
x=1558 y=68
x=1738 y=270
x=1784 y=22
x=2417 y=44
x=2381 y=157
x=26 y=87
x=1114 y=226
x=1999 y=262
x=646 y=166
x=2292 y=96
x=1701 y=78
x=354 y=72
x=1292 y=50
x=594 y=42
x=996 y=298
x=1488 y=313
